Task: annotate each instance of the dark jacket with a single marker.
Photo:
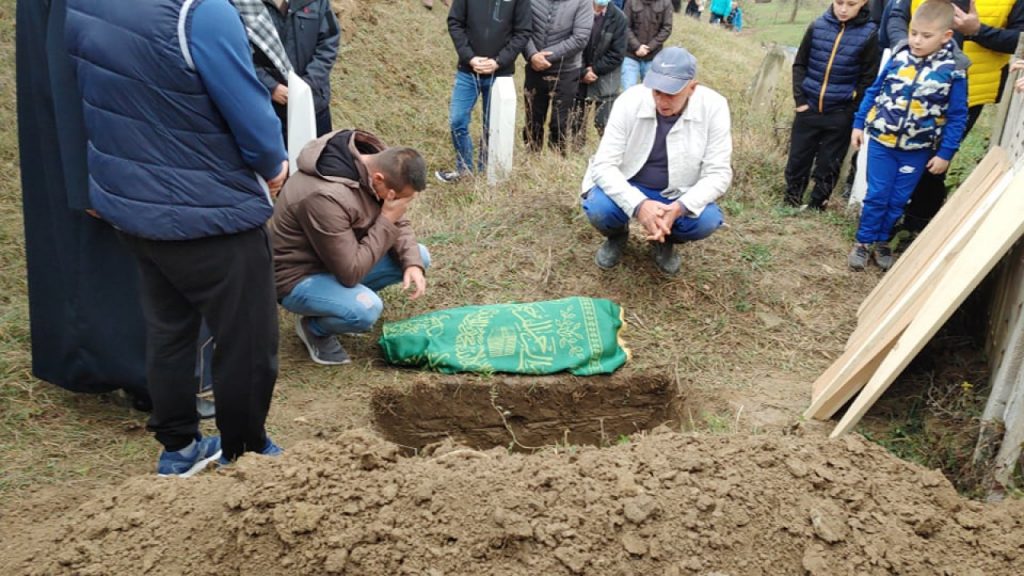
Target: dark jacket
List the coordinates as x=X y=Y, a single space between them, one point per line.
x=310 y=35
x=604 y=54
x=179 y=129
x=836 y=62
x=561 y=27
x=495 y=29
x=328 y=219
x=650 y=23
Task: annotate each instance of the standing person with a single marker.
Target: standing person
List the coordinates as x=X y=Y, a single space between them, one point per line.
x=836 y=62
x=340 y=236
x=664 y=159
x=987 y=31
x=694 y=8
x=487 y=37
x=915 y=115
x=554 y=60
x=719 y=11
x=184 y=155
x=650 y=24
x=734 y=21
x=310 y=35
x=87 y=330
x=602 y=59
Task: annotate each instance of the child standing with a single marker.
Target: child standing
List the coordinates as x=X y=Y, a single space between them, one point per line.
x=836 y=62
x=914 y=114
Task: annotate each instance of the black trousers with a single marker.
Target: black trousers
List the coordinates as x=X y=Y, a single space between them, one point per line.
x=228 y=280
x=930 y=193
x=541 y=89
x=820 y=140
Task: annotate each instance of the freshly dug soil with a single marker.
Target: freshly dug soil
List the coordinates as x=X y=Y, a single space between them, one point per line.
x=664 y=504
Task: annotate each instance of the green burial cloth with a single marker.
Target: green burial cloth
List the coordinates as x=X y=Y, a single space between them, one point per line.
x=577 y=334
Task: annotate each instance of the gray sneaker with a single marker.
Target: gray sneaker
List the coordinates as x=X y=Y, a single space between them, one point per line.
x=858 y=257
x=609 y=254
x=324 y=350
x=883 y=255
x=666 y=258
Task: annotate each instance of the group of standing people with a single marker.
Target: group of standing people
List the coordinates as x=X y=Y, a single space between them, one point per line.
x=947 y=60
x=664 y=156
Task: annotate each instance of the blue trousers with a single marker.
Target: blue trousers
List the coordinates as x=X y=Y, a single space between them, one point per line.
x=892 y=176
x=338 y=309
x=610 y=220
x=464 y=94
x=633 y=71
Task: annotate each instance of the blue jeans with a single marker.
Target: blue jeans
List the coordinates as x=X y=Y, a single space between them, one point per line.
x=610 y=220
x=892 y=176
x=460 y=113
x=633 y=71
x=337 y=309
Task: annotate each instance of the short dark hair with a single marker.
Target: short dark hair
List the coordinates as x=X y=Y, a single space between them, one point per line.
x=936 y=11
x=401 y=167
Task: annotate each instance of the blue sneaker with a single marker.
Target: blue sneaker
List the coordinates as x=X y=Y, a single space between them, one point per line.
x=190 y=459
x=269 y=449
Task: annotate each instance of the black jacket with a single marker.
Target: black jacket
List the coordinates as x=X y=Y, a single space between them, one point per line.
x=605 y=52
x=495 y=29
x=310 y=35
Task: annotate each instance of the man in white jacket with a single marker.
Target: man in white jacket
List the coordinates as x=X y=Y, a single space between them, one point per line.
x=664 y=159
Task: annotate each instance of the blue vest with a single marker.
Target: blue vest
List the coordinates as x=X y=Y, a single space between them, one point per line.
x=834 y=61
x=163 y=163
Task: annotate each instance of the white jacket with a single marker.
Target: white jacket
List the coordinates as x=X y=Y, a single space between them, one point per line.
x=699 y=150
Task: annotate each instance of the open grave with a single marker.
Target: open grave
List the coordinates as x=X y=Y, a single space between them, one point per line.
x=530 y=413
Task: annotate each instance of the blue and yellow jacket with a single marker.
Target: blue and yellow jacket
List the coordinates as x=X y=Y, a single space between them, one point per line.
x=918 y=103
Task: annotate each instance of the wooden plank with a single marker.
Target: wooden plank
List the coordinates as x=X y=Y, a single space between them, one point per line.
x=501 y=136
x=996 y=234
x=849 y=373
x=935 y=235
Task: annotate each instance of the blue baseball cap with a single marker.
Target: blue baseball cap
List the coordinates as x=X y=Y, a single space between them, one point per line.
x=671 y=71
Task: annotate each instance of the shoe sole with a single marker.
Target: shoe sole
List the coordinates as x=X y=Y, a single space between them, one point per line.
x=443 y=181
x=311 y=350
x=196 y=468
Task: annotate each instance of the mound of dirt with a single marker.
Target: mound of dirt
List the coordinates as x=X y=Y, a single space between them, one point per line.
x=665 y=504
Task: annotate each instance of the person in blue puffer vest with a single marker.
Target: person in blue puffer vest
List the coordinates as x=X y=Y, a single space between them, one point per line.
x=184 y=156
x=836 y=62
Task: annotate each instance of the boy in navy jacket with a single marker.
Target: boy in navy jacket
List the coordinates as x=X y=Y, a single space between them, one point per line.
x=836 y=62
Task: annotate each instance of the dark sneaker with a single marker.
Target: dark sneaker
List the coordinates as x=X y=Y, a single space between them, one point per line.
x=858 y=257
x=324 y=350
x=666 y=258
x=449 y=176
x=190 y=459
x=610 y=253
x=269 y=449
x=883 y=255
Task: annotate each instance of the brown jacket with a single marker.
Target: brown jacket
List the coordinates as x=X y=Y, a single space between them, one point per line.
x=650 y=23
x=331 y=224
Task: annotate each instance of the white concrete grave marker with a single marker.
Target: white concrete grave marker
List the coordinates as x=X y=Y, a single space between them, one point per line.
x=502 y=134
x=301 y=119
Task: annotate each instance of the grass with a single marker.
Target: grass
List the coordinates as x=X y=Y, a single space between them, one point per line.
x=770 y=22
x=525 y=239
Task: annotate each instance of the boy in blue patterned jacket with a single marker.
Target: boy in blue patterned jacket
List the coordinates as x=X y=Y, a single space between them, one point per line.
x=914 y=114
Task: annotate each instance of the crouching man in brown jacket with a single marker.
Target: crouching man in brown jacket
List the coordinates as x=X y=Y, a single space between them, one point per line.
x=340 y=235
